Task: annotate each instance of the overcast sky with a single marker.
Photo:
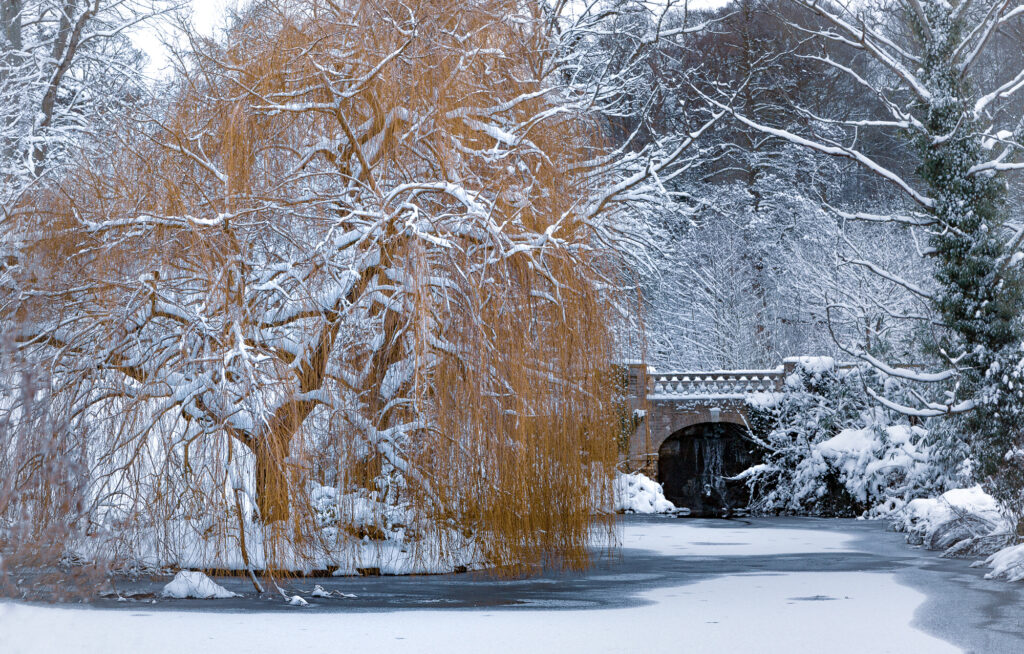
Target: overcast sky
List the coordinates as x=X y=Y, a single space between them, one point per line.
x=207 y=15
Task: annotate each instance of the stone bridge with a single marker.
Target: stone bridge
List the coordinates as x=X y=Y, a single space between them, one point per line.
x=691 y=427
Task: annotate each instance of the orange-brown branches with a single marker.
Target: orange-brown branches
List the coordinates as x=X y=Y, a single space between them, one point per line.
x=347 y=253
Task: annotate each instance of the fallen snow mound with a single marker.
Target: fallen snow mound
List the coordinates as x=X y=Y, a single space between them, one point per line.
x=189 y=584
x=955 y=519
x=637 y=493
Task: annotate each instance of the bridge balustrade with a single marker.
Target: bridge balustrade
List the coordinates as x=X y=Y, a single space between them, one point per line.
x=714 y=385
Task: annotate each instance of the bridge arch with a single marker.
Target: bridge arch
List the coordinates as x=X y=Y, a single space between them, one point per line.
x=695 y=461
x=676 y=420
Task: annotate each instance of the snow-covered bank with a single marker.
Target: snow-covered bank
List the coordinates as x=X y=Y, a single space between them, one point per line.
x=353 y=532
x=637 y=493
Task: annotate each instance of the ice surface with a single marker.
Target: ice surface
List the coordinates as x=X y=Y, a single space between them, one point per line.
x=838 y=612
x=686 y=538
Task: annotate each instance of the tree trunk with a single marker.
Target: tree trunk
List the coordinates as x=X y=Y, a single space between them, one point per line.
x=271 y=479
x=10 y=22
x=10 y=52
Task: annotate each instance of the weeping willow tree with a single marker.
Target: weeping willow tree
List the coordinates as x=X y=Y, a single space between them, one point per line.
x=344 y=288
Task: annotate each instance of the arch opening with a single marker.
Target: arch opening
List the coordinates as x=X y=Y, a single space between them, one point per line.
x=694 y=462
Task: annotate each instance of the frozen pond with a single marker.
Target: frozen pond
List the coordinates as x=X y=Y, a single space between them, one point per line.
x=759 y=585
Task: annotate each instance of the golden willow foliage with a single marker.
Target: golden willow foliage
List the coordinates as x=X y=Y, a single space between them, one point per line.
x=348 y=253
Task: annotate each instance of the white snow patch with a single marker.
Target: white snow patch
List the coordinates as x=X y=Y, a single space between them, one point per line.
x=1007 y=564
x=296 y=600
x=685 y=538
x=764 y=400
x=190 y=584
x=925 y=515
x=637 y=493
x=814 y=365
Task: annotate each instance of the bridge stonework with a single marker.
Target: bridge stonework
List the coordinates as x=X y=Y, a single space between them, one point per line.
x=669 y=402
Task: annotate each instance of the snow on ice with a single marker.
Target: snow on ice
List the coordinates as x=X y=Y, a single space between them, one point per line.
x=189 y=584
x=764 y=613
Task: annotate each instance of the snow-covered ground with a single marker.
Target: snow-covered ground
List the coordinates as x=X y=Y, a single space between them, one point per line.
x=758 y=610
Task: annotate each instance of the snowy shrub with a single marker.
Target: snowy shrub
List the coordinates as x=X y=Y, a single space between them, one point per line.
x=966 y=522
x=637 y=493
x=828 y=452
x=880 y=467
x=962 y=521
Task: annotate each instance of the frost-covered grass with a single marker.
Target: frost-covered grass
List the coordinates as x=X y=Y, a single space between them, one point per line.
x=1007 y=563
x=637 y=493
x=941 y=522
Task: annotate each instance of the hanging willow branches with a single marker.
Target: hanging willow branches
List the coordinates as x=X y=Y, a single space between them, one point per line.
x=348 y=284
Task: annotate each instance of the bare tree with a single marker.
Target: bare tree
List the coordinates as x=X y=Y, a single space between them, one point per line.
x=930 y=67
x=66 y=66
x=63 y=65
